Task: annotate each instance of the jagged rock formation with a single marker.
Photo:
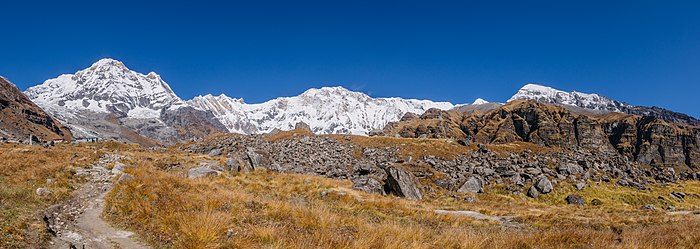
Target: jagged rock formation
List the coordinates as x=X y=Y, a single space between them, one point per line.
x=647 y=140
x=20 y=117
x=596 y=103
x=108 y=100
x=328 y=110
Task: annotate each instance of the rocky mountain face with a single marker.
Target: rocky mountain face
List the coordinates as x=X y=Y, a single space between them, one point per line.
x=328 y=110
x=108 y=100
x=595 y=103
x=20 y=117
x=647 y=140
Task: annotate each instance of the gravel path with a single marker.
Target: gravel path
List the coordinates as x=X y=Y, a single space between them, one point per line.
x=78 y=222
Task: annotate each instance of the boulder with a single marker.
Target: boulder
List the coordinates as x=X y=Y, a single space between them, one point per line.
x=215 y=152
x=118 y=168
x=580 y=186
x=201 y=172
x=444 y=183
x=375 y=132
x=368 y=184
x=679 y=195
x=235 y=165
x=570 y=169
x=575 y=200
x=254 y=158
x=43 y=191
x=472 y=185
x=532 y=192
x=401 y=183
x=544 y=186
x=649 y=207
x=363 y=168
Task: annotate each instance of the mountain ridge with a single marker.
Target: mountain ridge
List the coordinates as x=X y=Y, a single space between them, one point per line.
x=109 y=100
x=597 y=103
x=328 y=110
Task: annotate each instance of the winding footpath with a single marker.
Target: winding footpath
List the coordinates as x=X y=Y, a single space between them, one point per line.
x=78 y=222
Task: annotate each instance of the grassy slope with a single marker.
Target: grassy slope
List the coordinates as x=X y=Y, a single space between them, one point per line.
x=275 y=210
x=25 y=168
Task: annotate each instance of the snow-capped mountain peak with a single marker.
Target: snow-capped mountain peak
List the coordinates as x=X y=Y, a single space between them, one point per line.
x=479 y=101
x=589 y=101
x=107 y=86
x=327 y=110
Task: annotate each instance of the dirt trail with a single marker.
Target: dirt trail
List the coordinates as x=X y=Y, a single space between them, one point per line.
x=78 y=222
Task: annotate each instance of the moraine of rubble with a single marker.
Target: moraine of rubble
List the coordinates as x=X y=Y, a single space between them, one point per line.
x=380 y=170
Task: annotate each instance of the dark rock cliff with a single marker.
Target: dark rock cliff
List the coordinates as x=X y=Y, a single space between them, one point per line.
x=644 y=139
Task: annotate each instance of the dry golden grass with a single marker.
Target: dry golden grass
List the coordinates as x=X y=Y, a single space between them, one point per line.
x=275 y=210
x=288 y=134
x=25 y=168
x=414 y=147
x=271 y=210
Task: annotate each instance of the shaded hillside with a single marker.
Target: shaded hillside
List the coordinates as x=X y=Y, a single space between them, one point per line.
x=20 y=117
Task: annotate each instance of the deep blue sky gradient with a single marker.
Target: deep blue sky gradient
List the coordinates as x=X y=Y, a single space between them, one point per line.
x=640 y=52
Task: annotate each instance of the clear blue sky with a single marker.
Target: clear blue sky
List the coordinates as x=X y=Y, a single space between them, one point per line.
x=641 y=52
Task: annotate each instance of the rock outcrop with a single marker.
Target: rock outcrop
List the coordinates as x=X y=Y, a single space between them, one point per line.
x=401 y=183
x=20 y=118
x=647 y=140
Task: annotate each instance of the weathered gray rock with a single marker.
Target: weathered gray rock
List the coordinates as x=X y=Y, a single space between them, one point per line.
x=43 y=191
x=570 y=169
x=580 y=186
x=302 y=125
x=472 y=185
x=402 y=184
x=376 y=132
x=649 y=207
x=575 y=200
x=254 y=158
x=118 y=168
x=679 y=195
x=544 y=186
x=215 y=152
x=445 y=183
x=201 y=172
x=368 y=184
x=532 y=192
x=235 y=164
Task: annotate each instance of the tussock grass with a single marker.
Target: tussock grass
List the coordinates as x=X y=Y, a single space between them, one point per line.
x=25 y=168
x=275 y=210
x=413 y=147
